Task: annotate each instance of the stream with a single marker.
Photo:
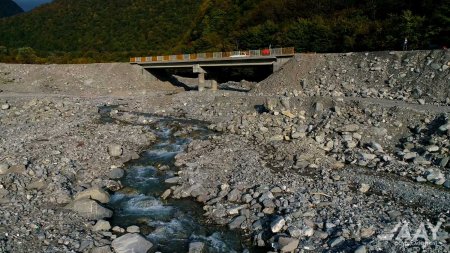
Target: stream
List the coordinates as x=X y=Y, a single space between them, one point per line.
x=172 y=224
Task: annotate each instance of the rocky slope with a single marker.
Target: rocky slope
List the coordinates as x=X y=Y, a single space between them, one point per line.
x=405 y=76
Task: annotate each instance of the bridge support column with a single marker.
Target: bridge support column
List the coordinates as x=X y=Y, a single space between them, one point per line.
x=201 y=76
x=213 y=85
x=201 y=81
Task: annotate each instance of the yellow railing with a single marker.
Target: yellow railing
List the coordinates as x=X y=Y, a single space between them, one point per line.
x=283 y=51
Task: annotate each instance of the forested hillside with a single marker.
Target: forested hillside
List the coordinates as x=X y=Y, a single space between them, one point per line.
x=9 y=8
x=98 y=30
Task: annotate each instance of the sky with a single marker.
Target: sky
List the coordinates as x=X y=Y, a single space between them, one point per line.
x=30 y=4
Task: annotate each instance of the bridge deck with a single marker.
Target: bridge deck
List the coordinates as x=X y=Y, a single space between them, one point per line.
x=238 y=58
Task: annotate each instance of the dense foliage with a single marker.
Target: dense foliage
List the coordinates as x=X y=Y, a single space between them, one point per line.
x=98 y=30
x=9 y=8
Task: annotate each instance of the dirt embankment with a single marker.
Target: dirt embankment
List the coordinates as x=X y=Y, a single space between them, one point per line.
x=117 y=79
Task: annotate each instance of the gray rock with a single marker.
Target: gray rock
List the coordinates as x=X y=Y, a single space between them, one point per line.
x=236 y=222
x=367 y=156
x=434 y=175
x=266 y=195
x=116 y=173
x=361 y=249
x=89 y=209
x=247 y=198
x=307 y=231
x=103 y=249
x=447 y=184
x=376 y=68
x=320 y=138
x=5 y=106
x=288 y=244
x=277 y=138
x=349 y=128
x=444 y=162
x=435 y=66
x=133 y=229
x=234 y=195
x=285 y=102
x=432 y=148
x=421 y=160
x=351 y=144
x=101 y=225
x=166 y=194
x=409 y=155
x=318 y=107
x=445 y=127
x=297 y=135
x=268 y=203
x=276 y=190
x=336 y=241
x=118 y=229
x=115 y=150
x=379 y=131
x=4 y=168
x=94 y=193
x=367 y=232
x=421 y=179
x=173 y=180
x=364 y=188
x=376 y=146
x=196 y=247
x=134 y=243
x=270 y=104
x=294 y=232
x=277 y=224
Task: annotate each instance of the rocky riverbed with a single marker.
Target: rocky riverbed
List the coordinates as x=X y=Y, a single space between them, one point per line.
x=302 y=168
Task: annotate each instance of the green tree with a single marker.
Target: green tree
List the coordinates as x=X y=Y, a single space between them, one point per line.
x=311 y=35
x=26 y=55
x=412 y=27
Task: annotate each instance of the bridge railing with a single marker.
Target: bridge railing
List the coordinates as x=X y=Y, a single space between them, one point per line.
x=282 y=51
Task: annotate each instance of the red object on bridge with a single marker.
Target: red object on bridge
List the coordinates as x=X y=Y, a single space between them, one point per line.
x=265 y=51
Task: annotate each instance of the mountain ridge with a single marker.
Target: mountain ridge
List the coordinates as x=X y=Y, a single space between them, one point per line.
x=9 y=8
x=113 y=30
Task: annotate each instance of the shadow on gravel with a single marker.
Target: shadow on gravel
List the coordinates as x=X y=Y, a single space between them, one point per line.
x=165 y=76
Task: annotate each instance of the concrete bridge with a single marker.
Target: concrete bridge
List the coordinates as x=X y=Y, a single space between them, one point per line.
x=275 y=57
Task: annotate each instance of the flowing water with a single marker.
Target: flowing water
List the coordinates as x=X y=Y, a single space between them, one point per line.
x=169 y=224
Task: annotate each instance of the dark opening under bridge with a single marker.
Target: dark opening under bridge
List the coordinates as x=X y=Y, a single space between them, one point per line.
x=275 y=57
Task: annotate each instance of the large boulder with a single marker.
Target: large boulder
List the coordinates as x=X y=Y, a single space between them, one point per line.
x=277 y=224
x=196 y=247
x=115 y=150
x=116 y=173
x=90 y=209
x=94 y=193
x=288 y=244
x=4 y=168
x=131 y=243
x=101 y=225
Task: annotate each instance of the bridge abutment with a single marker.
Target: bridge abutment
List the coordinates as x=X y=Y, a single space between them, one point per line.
x=279 y=63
